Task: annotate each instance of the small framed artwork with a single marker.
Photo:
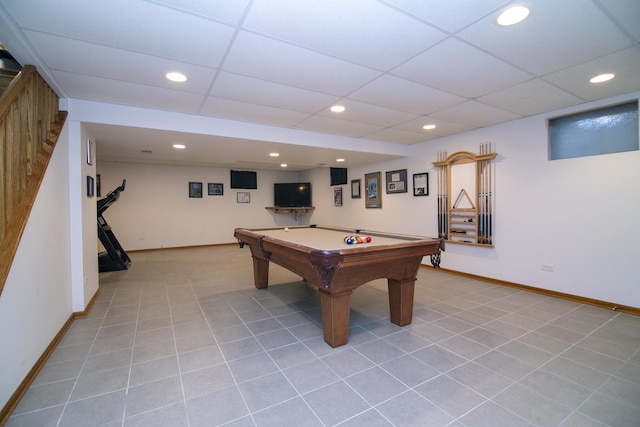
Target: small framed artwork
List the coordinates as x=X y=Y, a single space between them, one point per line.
x=89 y=150
x=195 y=190
x=244 y=197
x=421 y=184
x=98 y=190
x=397 y=181
x=215 y=189
x=90 y=186
x=337 y=196
x=355 y=189
x=374 y=195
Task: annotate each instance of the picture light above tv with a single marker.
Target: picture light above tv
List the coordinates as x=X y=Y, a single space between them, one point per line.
x=292 y=194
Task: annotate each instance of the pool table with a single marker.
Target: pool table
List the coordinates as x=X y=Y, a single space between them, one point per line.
x=321 y=257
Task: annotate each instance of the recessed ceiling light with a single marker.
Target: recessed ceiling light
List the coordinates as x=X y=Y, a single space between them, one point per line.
x=274 y=154
x=339 y=160
x=179 y=146
x=602 y=78
x=513 y=15
x=176 y=77
x=283 y=165
x=337 y=108
x=428 y=127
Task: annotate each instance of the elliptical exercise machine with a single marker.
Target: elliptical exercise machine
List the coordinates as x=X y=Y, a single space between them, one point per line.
x=114 y=258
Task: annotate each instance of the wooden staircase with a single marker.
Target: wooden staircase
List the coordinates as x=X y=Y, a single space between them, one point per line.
x=30 y=125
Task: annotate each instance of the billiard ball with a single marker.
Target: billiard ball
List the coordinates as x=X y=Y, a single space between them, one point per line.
x=368 y=239
x=286 y=229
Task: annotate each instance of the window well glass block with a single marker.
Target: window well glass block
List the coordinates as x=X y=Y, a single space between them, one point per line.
x=606 y=130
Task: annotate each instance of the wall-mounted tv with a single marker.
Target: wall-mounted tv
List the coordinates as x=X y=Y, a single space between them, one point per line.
x=244 y=179
x=338 y=176
x=293 y=194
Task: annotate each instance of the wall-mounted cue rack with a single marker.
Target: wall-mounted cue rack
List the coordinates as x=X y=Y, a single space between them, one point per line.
x=467 y=219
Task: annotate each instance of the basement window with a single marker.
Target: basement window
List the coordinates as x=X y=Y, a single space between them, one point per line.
x=612 y=129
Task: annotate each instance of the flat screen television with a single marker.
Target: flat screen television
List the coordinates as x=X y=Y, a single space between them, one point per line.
x=293 y=194
x=244 y=179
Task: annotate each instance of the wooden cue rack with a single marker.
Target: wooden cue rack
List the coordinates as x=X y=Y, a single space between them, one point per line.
x=467 y=219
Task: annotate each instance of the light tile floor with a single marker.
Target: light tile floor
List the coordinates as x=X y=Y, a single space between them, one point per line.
x=183 y=338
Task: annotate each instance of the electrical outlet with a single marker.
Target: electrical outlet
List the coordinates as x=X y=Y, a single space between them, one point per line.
x=547 y=267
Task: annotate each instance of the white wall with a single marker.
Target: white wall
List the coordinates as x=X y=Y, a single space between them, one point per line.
x=155 y=210
x=82 y=214
x=36 y=299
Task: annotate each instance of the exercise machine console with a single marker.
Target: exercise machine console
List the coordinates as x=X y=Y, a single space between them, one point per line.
x=114 y=258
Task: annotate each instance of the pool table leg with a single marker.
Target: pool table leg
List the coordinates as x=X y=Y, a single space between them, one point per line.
x=260 y=272
x=401 y=300
x=335 y=317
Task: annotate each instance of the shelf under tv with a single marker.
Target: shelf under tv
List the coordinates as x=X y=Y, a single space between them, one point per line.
x=291 y=210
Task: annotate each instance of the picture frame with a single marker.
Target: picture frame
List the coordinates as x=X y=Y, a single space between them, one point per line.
x=355 y=188
x=90 y=186
x=195 y=190
x=337 y=196
x=243 y=197
x=89 y=150
x=421 y=184
x=374 y=195
x=396 y=181
x=98 y=188
x=215 y=189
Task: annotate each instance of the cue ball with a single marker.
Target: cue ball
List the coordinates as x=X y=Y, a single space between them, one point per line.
x=286 y=229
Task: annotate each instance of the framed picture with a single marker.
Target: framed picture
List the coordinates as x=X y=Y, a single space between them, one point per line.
x=374 y=196
x=244 y=197
x=98 y=190
x=421 y=184
x=397 y=181
x=337 y=196
x=195 y=189
x=215 y=189
x=89 y=150
x=355 y=189
x=90 y=186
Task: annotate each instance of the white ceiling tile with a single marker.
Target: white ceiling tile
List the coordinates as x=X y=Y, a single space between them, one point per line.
x=367 y=113
x=475 y=114
x=337 y=127
x=447 y=65
x=138 y=26
x=404 y=95
x=229 y=12
x=354 y=30
x=283 y=63
x=255 y=91
x=545 y=41
x=443 y=128
x=287 y=61
x=79 y=57
x=624 y=64
x=399 y=136
x=529 y=98
x=114 y=91
x=627 y=13
x=245 y=112
x=449 y=15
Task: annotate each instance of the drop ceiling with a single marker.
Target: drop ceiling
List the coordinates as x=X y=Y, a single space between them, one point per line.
x=395 y=65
